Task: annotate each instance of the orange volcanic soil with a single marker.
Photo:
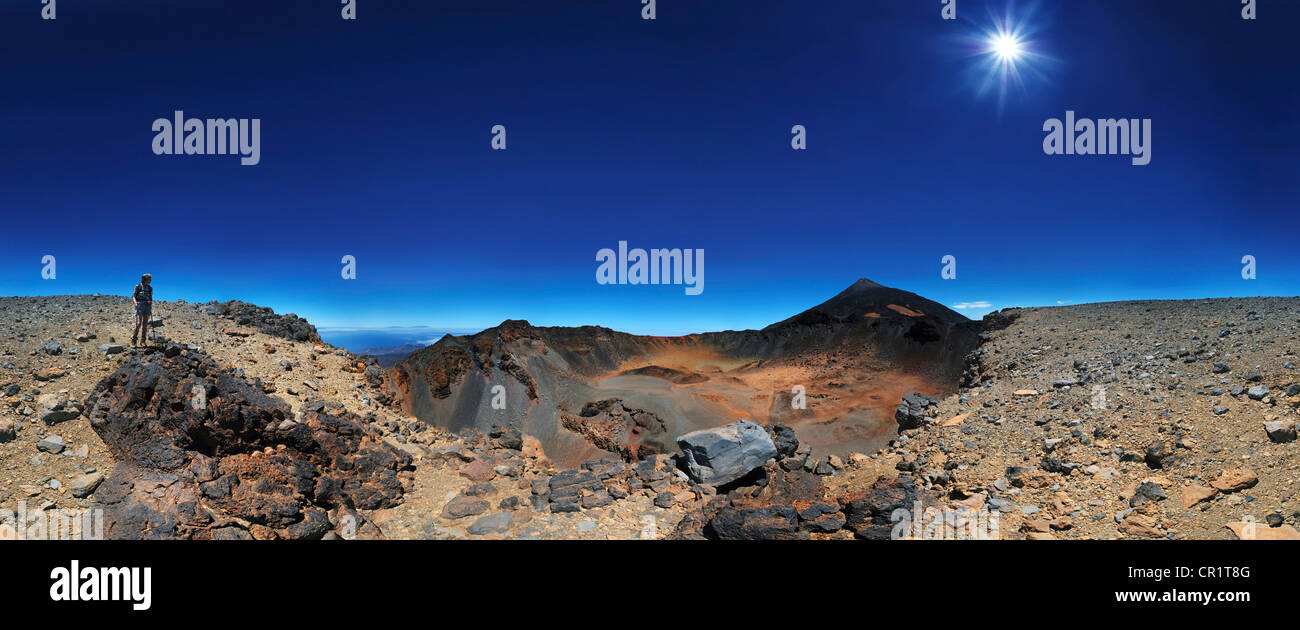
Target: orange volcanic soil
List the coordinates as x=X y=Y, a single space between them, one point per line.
x=849 y=399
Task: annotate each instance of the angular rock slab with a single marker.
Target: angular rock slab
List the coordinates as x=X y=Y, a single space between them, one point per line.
x=727 y=453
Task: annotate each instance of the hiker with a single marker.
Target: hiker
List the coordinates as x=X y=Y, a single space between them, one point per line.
x=143 y=300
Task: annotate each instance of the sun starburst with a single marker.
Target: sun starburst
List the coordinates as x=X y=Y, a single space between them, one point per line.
x=1007 y=56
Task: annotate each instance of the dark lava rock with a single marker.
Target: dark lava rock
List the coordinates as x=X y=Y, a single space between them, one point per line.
x=567 y=505
x=817 y=510
x=567 y=486
x=826 y=523
x=511 y=439
x=913 y=410
x=1159 y=455
x=785 y=440
x=201 y=450
x=1147 y=492
x=765 y=523
x=871 y=510
x=314 y=525
x=288 y=326
x=599 y=498
x=665 y=500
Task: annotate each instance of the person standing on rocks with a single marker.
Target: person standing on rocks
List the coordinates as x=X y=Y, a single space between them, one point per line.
x=143 y=300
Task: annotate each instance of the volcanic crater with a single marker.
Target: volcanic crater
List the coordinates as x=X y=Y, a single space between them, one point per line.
x=855 y=355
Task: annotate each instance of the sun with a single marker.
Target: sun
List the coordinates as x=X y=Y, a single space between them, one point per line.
x=1006 y=46
x=1008 y=53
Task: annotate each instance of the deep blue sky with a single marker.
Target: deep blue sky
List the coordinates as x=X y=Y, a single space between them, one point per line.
x=665 y=133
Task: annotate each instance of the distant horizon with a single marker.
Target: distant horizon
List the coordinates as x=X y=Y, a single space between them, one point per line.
x=431 y=332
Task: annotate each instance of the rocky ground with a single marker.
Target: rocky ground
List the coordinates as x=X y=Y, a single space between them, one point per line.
x=55 y=351
x=1160 y=419
x=1125 y=420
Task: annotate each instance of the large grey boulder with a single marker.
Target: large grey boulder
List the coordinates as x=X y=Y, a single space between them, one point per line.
x=727 y=453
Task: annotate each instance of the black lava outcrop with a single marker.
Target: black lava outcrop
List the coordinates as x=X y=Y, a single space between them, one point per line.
x=288 y=326
x=914 y=410
x=204 y=454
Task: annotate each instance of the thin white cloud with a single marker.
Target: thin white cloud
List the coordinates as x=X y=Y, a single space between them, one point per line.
x=977 y=304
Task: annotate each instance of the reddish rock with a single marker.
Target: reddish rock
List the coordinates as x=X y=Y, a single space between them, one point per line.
x=49 y=374
x=462 y=506
x=1235 y=479
x=1195 y=494
x=478 y=471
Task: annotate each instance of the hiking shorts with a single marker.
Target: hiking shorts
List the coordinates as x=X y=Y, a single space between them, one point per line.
x=144 y=309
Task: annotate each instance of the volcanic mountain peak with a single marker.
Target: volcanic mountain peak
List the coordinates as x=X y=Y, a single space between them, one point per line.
x=862 y=284
x=866 y=299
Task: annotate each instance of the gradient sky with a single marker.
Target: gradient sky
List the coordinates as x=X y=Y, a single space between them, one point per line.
x=666 y=133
